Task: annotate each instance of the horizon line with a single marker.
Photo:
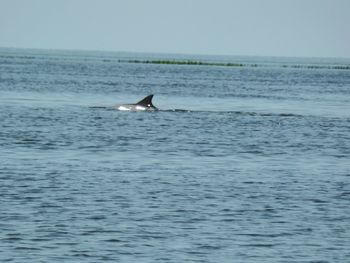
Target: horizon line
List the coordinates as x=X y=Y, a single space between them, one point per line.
x=169 y=53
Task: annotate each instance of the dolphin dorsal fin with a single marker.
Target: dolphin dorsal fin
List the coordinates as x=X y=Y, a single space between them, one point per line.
x=146 y=101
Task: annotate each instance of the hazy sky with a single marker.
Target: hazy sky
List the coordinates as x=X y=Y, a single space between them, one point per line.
x=309 y=28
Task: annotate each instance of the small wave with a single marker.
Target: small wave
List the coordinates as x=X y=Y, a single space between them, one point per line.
x=243 y=113
x=26 y=248
x=267 y=245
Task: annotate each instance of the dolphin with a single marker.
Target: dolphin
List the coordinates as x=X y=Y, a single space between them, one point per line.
x=143 y=105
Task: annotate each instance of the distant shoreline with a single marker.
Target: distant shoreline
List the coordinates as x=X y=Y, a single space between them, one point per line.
x=230 y=64
x=190 y=60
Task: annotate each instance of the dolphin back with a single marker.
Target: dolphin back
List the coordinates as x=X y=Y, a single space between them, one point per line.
x=143 y=105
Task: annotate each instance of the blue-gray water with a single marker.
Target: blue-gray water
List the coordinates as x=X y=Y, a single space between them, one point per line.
x=257 y=169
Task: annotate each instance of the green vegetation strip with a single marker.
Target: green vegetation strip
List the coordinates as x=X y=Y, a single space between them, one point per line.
x=189 y=62
x=346 y=67
x=222 y=64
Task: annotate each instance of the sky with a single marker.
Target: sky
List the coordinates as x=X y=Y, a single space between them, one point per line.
x=292 y=28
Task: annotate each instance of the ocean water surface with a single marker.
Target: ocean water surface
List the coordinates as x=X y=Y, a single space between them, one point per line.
x=255 y=167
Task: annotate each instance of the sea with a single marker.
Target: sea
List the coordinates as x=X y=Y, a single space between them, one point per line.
x=245 y=163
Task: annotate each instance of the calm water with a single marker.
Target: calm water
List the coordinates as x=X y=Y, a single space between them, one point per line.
x=255 y=170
